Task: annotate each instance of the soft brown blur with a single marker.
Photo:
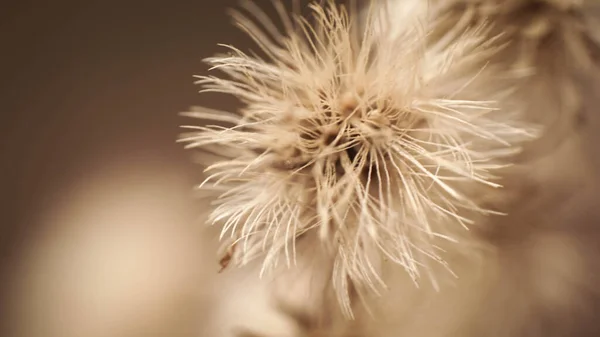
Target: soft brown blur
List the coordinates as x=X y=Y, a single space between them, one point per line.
x=101 y=235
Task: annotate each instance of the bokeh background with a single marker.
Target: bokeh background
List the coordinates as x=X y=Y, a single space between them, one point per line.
x=100 y=233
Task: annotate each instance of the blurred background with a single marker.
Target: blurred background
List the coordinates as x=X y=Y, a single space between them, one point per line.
x=100 y=232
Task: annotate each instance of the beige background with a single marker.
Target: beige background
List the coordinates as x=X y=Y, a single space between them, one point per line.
x=100 y=235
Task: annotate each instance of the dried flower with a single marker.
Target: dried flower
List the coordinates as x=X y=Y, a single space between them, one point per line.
x=377 y=140
x=536 y=25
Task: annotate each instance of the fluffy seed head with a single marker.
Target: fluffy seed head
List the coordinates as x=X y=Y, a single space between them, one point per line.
x=538 y=26
x=368 y=141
